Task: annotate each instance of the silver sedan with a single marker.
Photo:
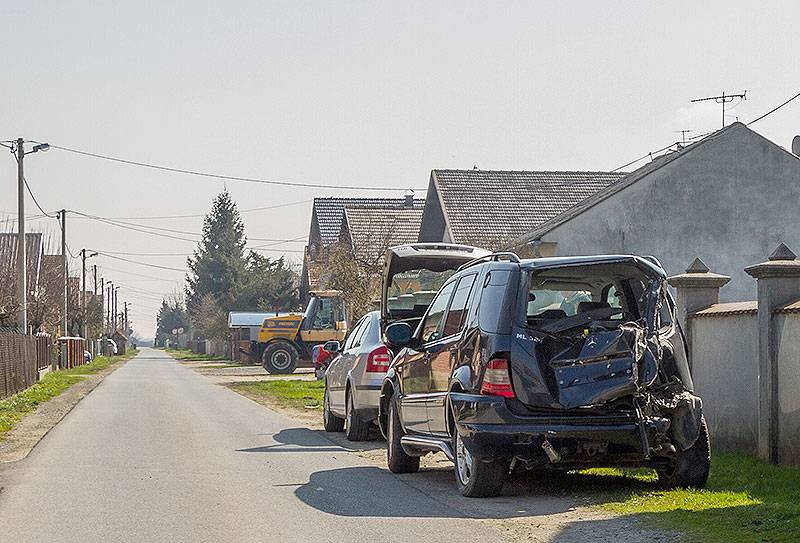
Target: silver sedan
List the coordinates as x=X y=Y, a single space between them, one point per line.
x=354 y=378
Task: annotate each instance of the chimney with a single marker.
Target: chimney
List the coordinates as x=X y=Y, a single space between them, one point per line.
x=409 y=200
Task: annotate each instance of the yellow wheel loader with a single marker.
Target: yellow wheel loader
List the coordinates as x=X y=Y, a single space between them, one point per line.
x=285 y=340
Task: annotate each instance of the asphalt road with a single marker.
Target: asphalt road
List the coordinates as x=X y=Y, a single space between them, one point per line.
x=160 y=453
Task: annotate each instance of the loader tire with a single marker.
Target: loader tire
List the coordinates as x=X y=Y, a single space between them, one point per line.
x=280 y=357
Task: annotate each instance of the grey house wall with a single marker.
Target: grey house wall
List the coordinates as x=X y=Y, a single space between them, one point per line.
x=724 y=354
x=727 y=201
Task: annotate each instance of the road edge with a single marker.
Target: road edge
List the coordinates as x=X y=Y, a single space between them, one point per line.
x=23 y=438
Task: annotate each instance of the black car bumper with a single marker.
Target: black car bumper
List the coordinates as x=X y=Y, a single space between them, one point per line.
x=490 y=430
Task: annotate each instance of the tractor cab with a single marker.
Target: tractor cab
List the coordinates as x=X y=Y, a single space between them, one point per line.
x=324 y=318
x=288 y=338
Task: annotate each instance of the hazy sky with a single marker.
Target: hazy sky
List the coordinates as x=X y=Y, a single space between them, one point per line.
x=356 y=93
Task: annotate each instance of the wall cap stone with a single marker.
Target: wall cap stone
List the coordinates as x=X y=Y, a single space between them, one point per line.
x=698 y=275
x=781 y=263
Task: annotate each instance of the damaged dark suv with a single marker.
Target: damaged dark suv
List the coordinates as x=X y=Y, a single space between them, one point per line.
x=558 y=363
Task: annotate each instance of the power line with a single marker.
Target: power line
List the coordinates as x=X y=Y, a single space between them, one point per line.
x=773 y=110
x=168 y=268
x=197 y=215
x=221 y=176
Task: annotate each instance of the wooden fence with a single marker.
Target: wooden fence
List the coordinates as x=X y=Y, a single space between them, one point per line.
x=18 y=363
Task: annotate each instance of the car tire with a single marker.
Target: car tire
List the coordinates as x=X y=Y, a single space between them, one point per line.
x=398 y=459
x=331 y=422
x=280 y=357
x=477 y=478
x=355 y=428
x=690 y=468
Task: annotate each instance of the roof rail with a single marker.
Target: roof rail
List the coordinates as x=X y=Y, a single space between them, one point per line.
x=494 y=257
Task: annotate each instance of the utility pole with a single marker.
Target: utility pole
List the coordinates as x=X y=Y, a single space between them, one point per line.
x=83 y=293
x=125 y=329
x=723 y=99
x=102 y=309
x=116 y=307
x=22 y=249
x=63 y=217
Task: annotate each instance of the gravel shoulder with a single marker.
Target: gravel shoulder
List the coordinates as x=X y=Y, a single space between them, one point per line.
x=530 y=509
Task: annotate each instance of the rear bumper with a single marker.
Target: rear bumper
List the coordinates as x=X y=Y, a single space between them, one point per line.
x=491 y=430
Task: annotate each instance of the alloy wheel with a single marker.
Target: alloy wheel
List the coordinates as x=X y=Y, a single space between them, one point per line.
x=463 y=461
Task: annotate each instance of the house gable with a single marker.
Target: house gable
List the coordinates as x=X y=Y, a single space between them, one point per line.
x=726 y=199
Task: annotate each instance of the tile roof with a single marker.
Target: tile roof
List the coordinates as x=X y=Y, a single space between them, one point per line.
x=729 y=308
x=8 y=255
x=793 y=307
x=484 y=207
x=629 y=179
x=329 y=212
x=372 y=231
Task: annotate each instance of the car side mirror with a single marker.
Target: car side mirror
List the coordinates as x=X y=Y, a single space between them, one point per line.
x=399 y=334
x=332 y=346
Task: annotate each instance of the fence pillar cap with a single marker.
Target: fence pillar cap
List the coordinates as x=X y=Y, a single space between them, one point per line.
x=781 y=263
x=698 y=275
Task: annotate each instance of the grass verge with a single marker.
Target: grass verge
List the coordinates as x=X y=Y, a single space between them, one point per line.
x=187 y=355
x=746 y=500
x=289 y=393
x=14 y=408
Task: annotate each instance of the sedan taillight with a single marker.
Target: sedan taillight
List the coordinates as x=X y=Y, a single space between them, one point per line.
x=497 y=379
x=378 y=360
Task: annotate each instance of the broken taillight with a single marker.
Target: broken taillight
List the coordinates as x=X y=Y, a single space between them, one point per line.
x=497 y=379
x=378 y=360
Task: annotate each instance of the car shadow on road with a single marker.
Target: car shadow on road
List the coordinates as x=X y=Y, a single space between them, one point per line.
x=308 y=440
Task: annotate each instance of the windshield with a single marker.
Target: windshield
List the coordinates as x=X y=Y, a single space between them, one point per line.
x=613 y=293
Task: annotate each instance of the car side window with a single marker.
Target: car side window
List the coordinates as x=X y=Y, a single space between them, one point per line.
x=433 y=320
x=353 y=333
x=359 y=337
x=457 y=312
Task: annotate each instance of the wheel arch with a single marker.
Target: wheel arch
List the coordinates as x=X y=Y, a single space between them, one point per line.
x=389 y=388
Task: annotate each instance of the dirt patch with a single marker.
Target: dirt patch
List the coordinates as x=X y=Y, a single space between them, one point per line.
x=18 y=442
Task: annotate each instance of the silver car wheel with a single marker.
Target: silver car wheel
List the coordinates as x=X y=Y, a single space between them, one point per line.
x=463 y=461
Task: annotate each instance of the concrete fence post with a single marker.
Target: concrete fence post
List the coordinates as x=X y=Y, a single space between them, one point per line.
x=778 y=284
x=696 y=289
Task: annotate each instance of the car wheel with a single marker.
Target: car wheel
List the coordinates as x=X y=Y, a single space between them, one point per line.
x=689 y=468
x=355 y=429
x=280 y=357
x=398 y=459
x=331 y=422
x=477 y=478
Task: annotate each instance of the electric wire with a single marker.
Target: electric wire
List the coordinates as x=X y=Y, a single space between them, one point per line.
x=221 y=176
x=157 y=266
x=773 y=110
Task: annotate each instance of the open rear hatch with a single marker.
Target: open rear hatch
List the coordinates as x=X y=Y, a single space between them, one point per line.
x=413 y=274
x=583 y=338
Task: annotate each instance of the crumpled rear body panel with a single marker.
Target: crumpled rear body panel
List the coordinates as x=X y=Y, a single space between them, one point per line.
x=590 y=370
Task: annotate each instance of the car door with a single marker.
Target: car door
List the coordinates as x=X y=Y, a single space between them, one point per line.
x=415 y=368
x=337 y=372
x=444 y=354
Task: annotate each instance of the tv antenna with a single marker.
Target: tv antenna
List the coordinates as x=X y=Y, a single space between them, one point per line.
x=723 y=99
x=683 y=135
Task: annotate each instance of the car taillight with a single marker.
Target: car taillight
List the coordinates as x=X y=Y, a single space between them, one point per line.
x=497 y=379
x=378 y=360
